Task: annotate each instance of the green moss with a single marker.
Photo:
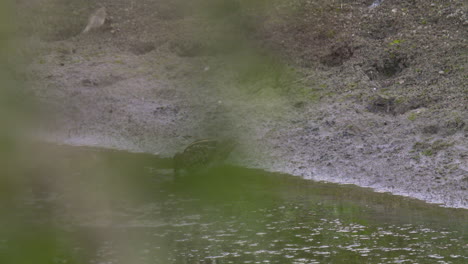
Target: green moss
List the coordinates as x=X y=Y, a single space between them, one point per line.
x=430 y=149
x=427 y=152
x=440 y=145
x=352 y=85
x=416 y=157
x=420 y=145
x=396 y=42
x=309 y=93
x=330 y=33
x=412 y=116
x=452 y=167
x=331 y=94
x=400 y=100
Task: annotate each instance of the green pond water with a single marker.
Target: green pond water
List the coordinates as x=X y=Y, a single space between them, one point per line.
x=94 y=206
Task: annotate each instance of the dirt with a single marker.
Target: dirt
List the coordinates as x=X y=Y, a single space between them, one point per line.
x=326 y=90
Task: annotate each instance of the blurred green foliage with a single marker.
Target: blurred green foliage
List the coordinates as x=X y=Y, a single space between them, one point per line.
x=230 y=29
x=21 y=239
x=52 y=20
x=6 y=79
x=93 y=185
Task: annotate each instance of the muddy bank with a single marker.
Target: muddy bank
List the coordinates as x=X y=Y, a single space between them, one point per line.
x=336 y=92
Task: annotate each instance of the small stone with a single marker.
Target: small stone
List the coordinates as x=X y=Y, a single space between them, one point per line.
x=88 y=82
x=430 y=129
x=141 y=48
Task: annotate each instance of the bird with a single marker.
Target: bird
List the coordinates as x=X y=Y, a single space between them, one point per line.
x=96 y=20
x=202 y=154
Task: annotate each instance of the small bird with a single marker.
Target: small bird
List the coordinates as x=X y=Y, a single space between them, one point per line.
x=201 y=154
x=96 y=20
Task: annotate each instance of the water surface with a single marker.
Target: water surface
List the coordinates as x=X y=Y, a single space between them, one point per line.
x=96 y=206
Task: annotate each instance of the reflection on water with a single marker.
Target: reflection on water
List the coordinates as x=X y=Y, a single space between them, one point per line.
x=136 y=213
x=288 y=232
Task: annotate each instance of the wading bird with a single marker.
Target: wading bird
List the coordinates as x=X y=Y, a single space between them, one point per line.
x=202 y=154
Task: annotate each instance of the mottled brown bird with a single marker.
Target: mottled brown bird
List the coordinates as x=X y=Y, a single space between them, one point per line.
x=201 y=154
